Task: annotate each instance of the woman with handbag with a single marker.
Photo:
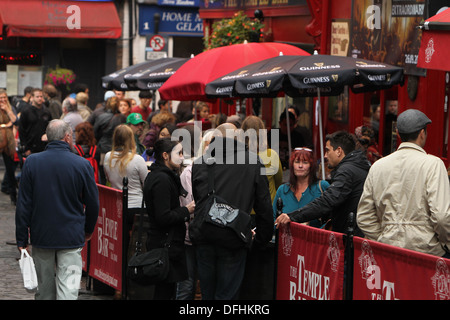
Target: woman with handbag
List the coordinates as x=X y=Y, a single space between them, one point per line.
x=8 y=142
x=123 y=161
x=167 y=218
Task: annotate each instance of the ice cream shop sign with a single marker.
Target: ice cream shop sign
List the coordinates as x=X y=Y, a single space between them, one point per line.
x=173 y=21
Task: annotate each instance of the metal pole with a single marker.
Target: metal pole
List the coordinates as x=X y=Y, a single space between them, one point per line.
x=279 y=211
x=349 y=257
x=288 y=125
x=319 y=114
x=124 y=236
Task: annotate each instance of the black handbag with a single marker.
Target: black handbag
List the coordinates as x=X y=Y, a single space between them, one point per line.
x=149 y=267
x=217 y=222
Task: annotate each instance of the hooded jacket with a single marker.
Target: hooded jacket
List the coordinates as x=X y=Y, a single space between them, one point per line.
x=341 y=197
x=58 y=199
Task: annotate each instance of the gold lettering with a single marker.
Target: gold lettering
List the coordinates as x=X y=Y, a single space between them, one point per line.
x=280 y=1
x=231 y=3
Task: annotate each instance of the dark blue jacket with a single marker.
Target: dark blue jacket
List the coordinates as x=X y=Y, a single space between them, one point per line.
x=58 y=199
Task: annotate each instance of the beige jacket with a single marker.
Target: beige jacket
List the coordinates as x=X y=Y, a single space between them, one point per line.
x=406 y=201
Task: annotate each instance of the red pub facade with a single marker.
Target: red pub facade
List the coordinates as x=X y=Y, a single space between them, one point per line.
x=379 y=30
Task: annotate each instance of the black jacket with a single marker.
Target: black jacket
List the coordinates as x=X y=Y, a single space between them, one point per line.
x=162 y=189
x=341 y=197
x=238 y=180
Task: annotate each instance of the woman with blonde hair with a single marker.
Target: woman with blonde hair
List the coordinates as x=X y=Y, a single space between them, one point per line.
x=122 y=161
x=256 y=139
x=8 y=142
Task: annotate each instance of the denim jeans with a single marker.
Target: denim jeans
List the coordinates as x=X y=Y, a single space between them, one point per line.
x=220 y=271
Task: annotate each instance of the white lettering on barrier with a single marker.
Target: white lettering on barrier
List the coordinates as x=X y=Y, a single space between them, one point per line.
x=107 y=229
x=309 y=283
x=371 y=272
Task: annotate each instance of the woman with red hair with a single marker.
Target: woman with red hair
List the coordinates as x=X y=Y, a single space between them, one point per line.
x=303 y=186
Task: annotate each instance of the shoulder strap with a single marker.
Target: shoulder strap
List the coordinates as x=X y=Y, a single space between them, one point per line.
x=79 y=149
x=92 y=151
x=141 y=229
x=320 y=186
x=211 y=189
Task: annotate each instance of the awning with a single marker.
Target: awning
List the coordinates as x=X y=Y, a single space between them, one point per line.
x=435 y=45
x=60 y=19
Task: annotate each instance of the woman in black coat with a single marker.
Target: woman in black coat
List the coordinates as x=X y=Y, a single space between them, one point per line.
x=162 y=189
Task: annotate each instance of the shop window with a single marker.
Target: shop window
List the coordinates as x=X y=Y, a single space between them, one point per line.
x=338 y=107
x=390 y=126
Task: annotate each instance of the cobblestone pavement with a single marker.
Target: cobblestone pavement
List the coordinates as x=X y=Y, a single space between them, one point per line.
x=11 y=283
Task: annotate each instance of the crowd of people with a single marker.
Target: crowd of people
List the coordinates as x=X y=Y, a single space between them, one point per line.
x=407 y=206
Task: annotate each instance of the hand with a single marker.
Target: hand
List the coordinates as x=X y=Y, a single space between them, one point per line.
x=283 y=219
x=191 y=207
x=20 y=248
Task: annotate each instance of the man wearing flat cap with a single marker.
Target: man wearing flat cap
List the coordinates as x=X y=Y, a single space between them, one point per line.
x=406 y=196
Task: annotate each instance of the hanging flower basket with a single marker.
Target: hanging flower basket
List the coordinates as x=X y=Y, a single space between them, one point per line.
x=238 y=29
x=60 y=77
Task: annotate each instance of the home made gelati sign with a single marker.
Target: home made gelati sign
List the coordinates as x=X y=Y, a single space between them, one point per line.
x=310 y=264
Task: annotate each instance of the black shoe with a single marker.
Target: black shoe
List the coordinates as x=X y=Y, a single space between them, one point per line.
x=5 y=191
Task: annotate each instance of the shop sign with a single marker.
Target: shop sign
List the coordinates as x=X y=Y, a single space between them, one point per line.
x=174 y=21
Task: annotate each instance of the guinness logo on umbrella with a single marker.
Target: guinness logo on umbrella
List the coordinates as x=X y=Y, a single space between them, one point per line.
x=335 y=77
x=168 y=70
x=319 y=64
x=242 y=72
x=268 y=82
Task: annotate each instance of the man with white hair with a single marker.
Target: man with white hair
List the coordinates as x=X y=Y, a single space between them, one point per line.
x=57 y=209
x=70 y=114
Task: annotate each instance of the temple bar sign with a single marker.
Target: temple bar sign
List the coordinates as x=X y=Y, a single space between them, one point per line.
x=174 y=21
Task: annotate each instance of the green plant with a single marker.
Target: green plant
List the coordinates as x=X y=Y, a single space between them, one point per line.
x=237 y=29
x=60 y=76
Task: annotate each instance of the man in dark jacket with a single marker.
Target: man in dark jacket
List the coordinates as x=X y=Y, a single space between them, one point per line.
x=238 y=180
x=350 y=169
x=33 y=121
x=58 y=205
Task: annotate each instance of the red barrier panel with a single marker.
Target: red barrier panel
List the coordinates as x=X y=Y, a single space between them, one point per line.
x=310 y=264
x=106 y=243
x=385 y=272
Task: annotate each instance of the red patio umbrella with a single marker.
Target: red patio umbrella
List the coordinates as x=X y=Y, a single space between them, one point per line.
x=189 y=82
x=435 y=45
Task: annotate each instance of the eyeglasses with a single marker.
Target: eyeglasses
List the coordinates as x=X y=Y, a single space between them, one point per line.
x=306 y=149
